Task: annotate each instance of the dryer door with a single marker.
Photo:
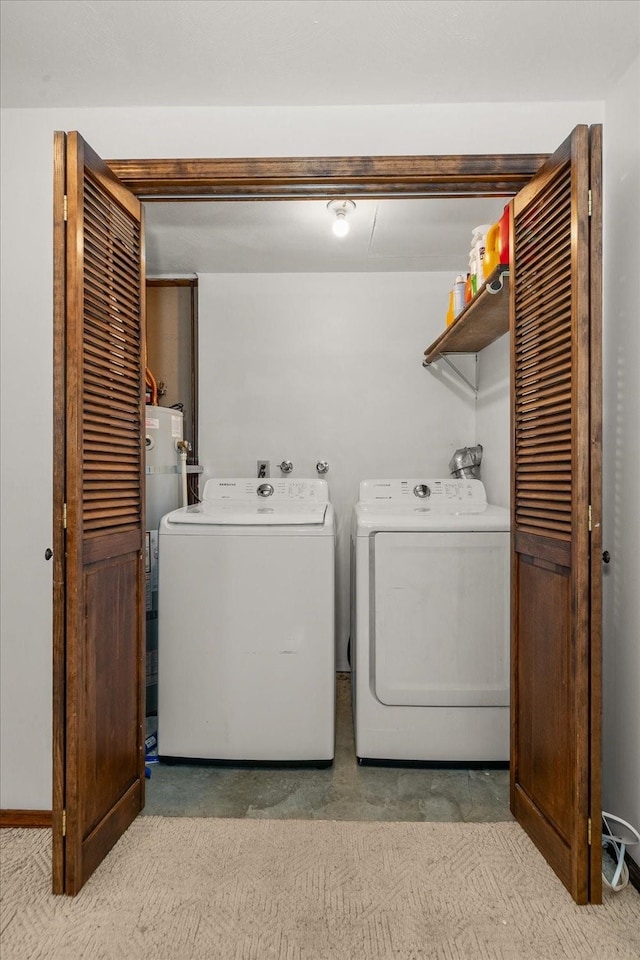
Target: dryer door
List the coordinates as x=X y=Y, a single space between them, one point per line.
x=441 y=619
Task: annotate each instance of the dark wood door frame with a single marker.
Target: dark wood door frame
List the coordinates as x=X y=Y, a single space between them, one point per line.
x=279 y=178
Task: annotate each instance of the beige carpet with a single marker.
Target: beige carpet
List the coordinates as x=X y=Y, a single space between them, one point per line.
x=221 y=889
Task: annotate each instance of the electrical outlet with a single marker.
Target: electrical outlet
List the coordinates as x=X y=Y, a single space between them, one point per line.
x=262 y=468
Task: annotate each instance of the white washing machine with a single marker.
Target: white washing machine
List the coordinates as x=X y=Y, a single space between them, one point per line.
x=246 y=660
x=430 y=622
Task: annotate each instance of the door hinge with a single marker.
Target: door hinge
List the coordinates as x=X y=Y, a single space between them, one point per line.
x=64 y=516
x=65 y=208
x=64 y=823
x=589 y=831
x=589 y=518
x=590 y=203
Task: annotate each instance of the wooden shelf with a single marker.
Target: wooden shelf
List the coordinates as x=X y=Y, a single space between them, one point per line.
x=481 y=322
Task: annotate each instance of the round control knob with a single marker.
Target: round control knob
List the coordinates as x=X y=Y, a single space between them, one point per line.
x=421 y=490
x=265 y=490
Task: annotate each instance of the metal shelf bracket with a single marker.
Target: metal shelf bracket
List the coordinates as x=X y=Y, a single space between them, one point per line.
x=461 y=376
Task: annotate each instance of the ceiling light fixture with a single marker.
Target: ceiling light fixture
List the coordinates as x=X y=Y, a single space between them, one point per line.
x=341 y=208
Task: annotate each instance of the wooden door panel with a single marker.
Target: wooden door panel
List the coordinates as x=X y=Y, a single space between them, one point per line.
x=110 y=760
x=100 y=395
x=544 y=739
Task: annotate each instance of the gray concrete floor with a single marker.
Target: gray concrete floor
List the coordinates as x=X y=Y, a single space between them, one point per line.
x=344 y=791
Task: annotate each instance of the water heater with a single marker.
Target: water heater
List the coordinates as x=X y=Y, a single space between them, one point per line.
x=164 y=429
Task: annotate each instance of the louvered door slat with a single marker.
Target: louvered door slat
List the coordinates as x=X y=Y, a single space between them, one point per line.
x=103 y=335
x=531 y=370
x=554 y=378
x=529 y=426
x=554 y=402
x=113 y=225
x=117 y=271
x=544 y=259
x=557 y=281
x=118 y=363
x=109 y=290
x=542 y=319
x=112 y=373
x=94 y=401
x=100 y=278
x=543 y=370
x=116 y=375
x=549 y=200
x=118 y=432
x=546 y=451
x=102 y=479
x=108 y=495
x=548 y=438
x=111 y=441
x=531 y=496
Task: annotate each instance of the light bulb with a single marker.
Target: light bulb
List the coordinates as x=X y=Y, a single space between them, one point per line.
x=340 y=225
x=340 y=208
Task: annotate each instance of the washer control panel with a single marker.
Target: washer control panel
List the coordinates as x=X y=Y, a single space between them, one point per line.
x=249 y=488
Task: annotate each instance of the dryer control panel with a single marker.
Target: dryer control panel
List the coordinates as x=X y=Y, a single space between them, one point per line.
x=438 y=493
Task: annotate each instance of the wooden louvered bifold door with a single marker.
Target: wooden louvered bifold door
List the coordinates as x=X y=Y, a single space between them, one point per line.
x=550 y=774
x=104 y=761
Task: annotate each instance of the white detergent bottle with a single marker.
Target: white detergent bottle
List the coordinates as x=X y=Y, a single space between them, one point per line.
x=478 y=246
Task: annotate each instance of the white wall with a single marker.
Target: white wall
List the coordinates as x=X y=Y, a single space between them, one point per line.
x=308 y=367
x=26 y=325
x=621 y=443
x=493 y=428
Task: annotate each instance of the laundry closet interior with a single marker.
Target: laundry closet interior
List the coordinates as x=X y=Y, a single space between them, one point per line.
x=285 y=355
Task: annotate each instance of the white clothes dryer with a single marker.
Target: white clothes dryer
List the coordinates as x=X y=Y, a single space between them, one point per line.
x=246 y=624
x=430 y=622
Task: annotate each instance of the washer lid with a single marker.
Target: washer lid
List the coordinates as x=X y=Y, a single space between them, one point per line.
x=251 y=502
x=250 y=513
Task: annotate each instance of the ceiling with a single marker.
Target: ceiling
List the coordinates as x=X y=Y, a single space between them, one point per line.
x=99 y=53
x=295 y=236
x=92 y=53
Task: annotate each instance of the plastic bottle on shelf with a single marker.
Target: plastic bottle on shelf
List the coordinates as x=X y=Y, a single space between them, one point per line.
x=473 y=273
x=492 y=249
x=459 y=302
x=468 y=289
x=450 y=310
x=478 y=245
x=497 y=244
